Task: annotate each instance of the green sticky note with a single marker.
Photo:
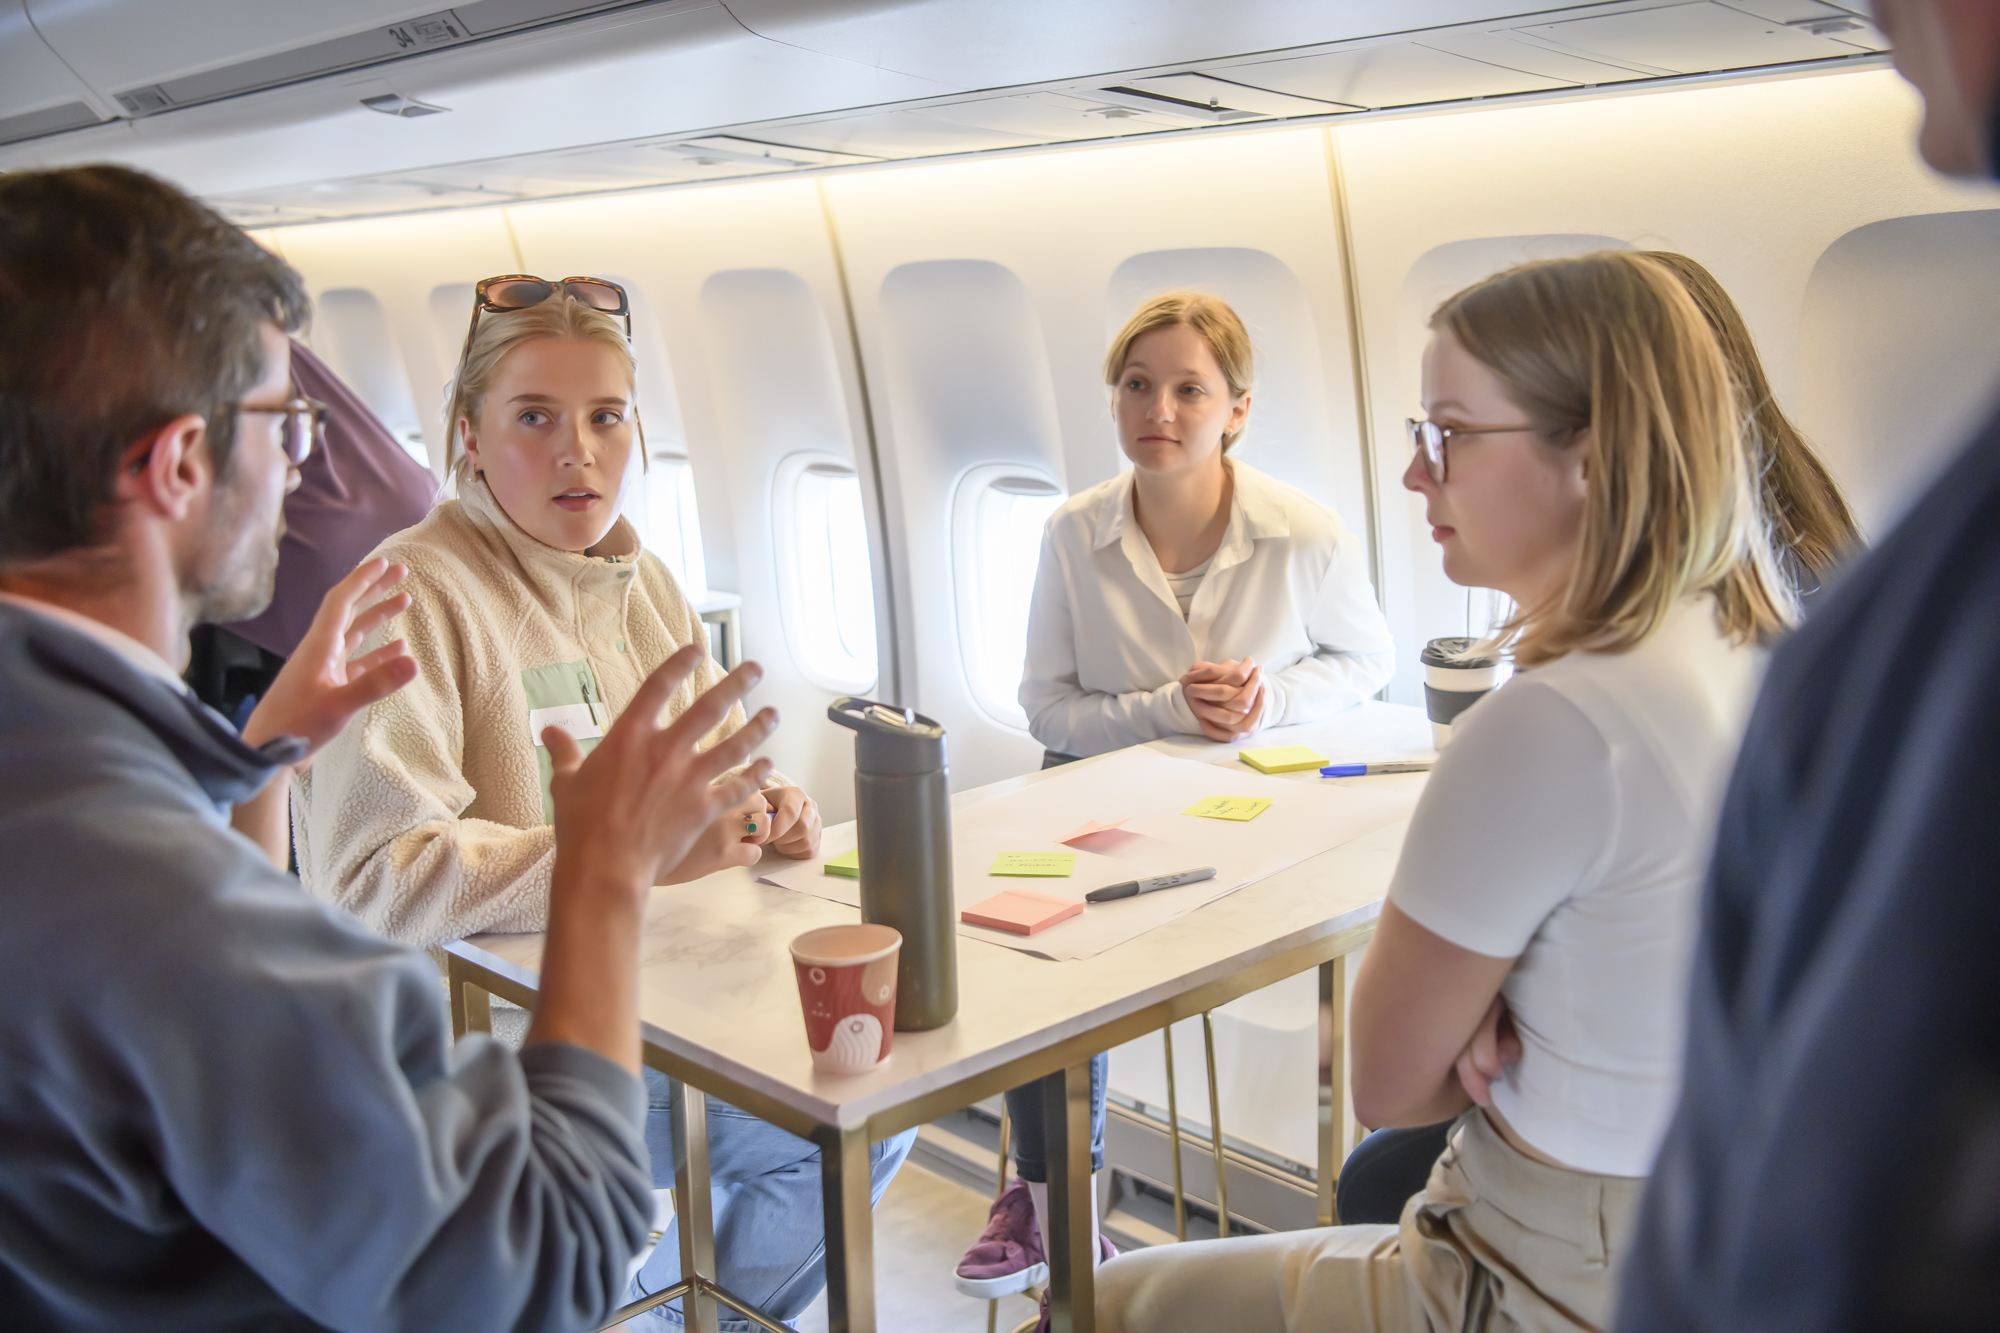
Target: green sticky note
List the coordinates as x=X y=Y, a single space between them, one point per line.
x=1035 y=865
x=1282 y=758
x=1236 y=808
x=847 y=863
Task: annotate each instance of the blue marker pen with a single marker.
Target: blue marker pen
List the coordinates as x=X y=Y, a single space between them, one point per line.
x=1370 y=770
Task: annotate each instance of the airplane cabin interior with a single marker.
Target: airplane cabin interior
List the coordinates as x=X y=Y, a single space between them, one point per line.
x=875 y=251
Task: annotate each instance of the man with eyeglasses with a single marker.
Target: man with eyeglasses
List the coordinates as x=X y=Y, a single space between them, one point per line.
x=223 y=1104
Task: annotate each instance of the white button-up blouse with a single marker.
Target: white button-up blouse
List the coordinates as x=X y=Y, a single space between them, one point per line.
x=1107 y=644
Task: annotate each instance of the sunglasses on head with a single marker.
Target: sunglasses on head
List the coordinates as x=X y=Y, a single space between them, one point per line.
x=523 y=291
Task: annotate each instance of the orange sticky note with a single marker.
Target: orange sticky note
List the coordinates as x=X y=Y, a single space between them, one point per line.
x=1092 y=827
x=1021 y=911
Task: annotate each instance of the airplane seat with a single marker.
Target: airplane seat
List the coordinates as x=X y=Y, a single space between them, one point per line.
x=1895 y=344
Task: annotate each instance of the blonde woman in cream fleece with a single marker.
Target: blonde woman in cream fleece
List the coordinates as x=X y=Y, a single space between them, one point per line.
x=529 y=595
x=533 y=604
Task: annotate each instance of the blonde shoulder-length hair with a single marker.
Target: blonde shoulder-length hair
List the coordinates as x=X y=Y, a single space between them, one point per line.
x=1608 y=353
x=1212 y=318
x=561 y=316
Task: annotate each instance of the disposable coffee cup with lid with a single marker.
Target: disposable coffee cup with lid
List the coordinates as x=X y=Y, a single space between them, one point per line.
x=1454 y=682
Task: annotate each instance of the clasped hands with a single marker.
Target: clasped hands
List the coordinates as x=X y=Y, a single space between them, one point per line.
x=1226 y=698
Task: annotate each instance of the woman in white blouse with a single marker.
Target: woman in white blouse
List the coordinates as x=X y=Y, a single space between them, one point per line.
x=1582 y=455
x=1191 y=594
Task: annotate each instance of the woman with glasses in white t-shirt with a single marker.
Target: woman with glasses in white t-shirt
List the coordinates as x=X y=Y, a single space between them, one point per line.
x=1582 y=455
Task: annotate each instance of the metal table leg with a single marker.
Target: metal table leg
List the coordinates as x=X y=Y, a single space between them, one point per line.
x=1332 y=1074
x=850 y=1229
x=471 y=1005
x=999 y=1188
x=1215 y=1128
x=692 y=1206
x=1072 y=1249
x=1339 y=1134
x=1174 y=1138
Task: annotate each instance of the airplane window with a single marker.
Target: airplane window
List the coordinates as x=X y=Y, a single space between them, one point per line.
x=826 y=582
x=671 y=525
x=997 y=521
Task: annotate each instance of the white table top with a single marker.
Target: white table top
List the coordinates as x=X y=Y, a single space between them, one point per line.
x=716 y=985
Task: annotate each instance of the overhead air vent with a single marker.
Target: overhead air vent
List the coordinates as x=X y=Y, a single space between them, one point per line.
x=718 y=149
x=1204 y=97
x=395 y=104
x=396 y=41
x=49 y=120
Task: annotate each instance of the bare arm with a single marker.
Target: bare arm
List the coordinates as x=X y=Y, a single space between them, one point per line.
x=266 y=818
x=624 y=817
x=1418 y=1004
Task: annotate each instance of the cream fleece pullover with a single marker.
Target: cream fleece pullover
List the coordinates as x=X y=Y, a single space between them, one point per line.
x=428 y=817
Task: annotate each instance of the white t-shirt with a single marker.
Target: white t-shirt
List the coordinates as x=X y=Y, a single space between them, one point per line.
x=1568 y=824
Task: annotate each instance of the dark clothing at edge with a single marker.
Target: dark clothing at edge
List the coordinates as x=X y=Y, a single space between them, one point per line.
x=226 y=1106
x=1832 y=1164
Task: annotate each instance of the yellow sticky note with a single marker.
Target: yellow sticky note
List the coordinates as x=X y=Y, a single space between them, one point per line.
x=1237 y=808
x=1035 y=865
x=847 y=863
x=1282 y=758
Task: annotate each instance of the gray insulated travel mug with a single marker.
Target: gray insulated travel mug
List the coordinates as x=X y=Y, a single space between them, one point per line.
x=903 y=811
x=1453 y=684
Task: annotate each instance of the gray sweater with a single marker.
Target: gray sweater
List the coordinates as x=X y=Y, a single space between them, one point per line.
x=224 y=1105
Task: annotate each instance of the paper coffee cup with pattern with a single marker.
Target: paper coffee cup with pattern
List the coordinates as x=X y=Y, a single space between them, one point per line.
x=847 y=988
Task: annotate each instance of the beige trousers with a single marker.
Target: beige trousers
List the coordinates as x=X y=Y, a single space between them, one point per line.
x=1497 y=1241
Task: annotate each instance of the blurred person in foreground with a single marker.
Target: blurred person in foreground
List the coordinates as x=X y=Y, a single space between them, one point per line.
x=1832 y=1163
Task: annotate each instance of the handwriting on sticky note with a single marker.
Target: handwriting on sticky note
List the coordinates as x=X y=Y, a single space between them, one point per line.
x=1092 y=827
x=1240 y=809
x=847 y=863
x=1282 y=758
x=1034 y=865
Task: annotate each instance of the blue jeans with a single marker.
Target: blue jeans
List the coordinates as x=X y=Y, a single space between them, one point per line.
x=1030 y=1127
x=770 y=1241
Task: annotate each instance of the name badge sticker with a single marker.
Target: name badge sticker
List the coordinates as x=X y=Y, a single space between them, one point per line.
x=576 y=719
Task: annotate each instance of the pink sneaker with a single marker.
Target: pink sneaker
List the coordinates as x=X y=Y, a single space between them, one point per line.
x=1008 y=1257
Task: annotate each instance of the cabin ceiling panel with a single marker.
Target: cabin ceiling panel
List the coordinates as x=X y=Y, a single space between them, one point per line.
x=974 y=43
x=1696 y=38
x=117 y=44
x=32 y=76
x=976 y=125
x=1387 y=76
x=619 y=94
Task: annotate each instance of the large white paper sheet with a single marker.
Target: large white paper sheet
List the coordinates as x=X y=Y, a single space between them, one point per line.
x=1148 y=790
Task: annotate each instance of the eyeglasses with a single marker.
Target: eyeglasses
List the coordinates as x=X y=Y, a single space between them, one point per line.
x=302 y=425
x=1428 y=439
x=523 y=291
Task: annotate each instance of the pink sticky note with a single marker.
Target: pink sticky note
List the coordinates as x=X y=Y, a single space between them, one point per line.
x=1092 y=827
x=1021 y=911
